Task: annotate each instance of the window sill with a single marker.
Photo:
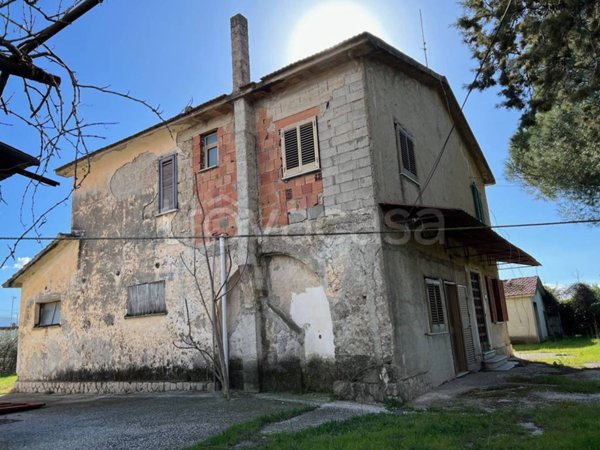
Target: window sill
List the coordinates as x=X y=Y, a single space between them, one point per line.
x=411 y=177
x=54 y=325
x=308 y=172
x=127 y=316
x=208 y=169
x=439 y=333
x=164 y=213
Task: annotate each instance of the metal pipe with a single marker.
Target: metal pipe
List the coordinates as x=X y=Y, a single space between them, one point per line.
x=224 y=302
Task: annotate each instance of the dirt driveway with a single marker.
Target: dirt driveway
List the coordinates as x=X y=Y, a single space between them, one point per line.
x=174 y=420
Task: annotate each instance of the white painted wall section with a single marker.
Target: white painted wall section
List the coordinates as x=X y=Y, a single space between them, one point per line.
x=310 y=310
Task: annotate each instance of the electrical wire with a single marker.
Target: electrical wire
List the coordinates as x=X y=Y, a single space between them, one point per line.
x=292 y=235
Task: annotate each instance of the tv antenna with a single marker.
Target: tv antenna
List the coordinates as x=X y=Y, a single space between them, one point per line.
x=423 y=36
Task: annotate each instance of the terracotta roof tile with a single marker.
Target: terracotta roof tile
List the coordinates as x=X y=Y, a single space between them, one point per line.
x=520 y=286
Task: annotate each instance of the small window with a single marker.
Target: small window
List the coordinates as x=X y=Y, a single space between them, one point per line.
x=300 y=148
x=477 y=202
x=49 y=314
x=437 y=318
x=406 y=147
x=146 y=299
x=210 y=150
x=167 y=184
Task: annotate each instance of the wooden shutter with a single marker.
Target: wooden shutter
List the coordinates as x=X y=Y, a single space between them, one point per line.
x=300 y=148
x=144 y=299
x=491 y=299
x=465 y=316
x=407 y=151
x=437 y=319
x=167 y=184
x=478 y=203
x=501 y=301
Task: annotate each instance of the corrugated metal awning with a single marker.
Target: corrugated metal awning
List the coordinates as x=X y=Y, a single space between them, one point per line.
x=460 y=230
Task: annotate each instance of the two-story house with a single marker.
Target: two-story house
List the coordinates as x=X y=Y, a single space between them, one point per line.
x=358 y=267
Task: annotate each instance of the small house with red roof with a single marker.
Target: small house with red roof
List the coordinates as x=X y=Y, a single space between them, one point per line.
x=532 y=311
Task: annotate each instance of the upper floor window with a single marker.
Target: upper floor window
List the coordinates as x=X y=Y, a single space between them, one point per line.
x=210 y=150
x=478 y=203
x=48 y=314
x=146 y=299
x=167 y=184
x=437 y=316
x=300 y=148
x=406 y=147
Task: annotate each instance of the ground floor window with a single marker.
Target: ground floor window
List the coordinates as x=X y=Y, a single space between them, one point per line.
x=48 y=314
x=437 y=315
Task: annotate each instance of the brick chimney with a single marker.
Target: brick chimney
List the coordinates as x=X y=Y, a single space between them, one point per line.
x=239 y=52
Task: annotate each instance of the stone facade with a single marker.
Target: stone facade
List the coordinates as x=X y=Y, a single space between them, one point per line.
x=316 y=299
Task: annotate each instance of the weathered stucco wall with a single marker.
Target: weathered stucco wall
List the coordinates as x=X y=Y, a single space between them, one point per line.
x=394 y=97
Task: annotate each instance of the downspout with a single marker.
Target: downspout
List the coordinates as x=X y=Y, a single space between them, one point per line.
x=224 y=331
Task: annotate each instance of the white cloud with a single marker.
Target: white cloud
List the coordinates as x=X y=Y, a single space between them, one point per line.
x=21 y=261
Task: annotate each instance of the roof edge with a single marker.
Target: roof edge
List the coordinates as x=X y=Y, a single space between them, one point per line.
x=62 y=237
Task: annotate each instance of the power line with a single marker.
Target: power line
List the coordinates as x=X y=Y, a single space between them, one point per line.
x=438 y=159
x=291 y=235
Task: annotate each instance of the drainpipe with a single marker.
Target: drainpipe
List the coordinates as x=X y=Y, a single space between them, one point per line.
x=224 y=302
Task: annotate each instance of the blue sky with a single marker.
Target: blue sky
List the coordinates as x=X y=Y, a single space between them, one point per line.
x=176 y=53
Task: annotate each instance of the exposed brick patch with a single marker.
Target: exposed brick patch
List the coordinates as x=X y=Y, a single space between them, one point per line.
x=278 y=198
x=217 y=187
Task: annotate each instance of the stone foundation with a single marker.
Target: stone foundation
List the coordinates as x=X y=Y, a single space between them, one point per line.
x=108 y=387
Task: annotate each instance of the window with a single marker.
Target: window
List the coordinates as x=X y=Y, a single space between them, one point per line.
x=496 y=300
x=49 y=314
x=210 y=150
x=437 y=318
x=146 y=299
x=300 y=148
x=406 y=148
x=478 y=203
x=167 y=184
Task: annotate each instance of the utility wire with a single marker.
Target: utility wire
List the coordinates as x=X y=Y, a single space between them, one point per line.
x=288 y=235
x=471 y=87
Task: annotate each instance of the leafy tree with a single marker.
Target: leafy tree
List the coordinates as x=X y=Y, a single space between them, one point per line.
x=543 y=55
x=586 y=306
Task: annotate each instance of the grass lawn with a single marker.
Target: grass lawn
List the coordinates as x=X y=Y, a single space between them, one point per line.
x=573 y=352
x=6 y=383
x=247 y=431
x=564 y=425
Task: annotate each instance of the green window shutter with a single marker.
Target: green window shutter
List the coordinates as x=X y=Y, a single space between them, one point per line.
x=478 y=203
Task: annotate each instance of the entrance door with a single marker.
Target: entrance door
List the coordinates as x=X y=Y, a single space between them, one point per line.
x=456 y=329
x=479 y=311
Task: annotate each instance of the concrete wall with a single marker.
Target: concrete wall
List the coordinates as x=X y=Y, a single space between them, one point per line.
x=397 y=98
x=523 y=326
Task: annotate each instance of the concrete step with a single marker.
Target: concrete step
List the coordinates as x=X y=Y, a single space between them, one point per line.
x=506 y=366
x=489 y=354
x=495 y=362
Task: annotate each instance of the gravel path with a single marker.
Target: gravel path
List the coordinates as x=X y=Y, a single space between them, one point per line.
x=136 y=421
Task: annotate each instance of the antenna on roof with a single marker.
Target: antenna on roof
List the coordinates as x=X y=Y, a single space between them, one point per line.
x=423 y=36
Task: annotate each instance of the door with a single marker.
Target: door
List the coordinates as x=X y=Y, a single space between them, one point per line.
x=467 y=327
x=456 y=329
x=482 y=332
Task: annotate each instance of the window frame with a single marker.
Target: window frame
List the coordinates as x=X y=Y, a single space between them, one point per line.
x=302 y=169
x=402 y=132
x=436 y=329
x=161 y=163
x=40 y=308
x=204 y=150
